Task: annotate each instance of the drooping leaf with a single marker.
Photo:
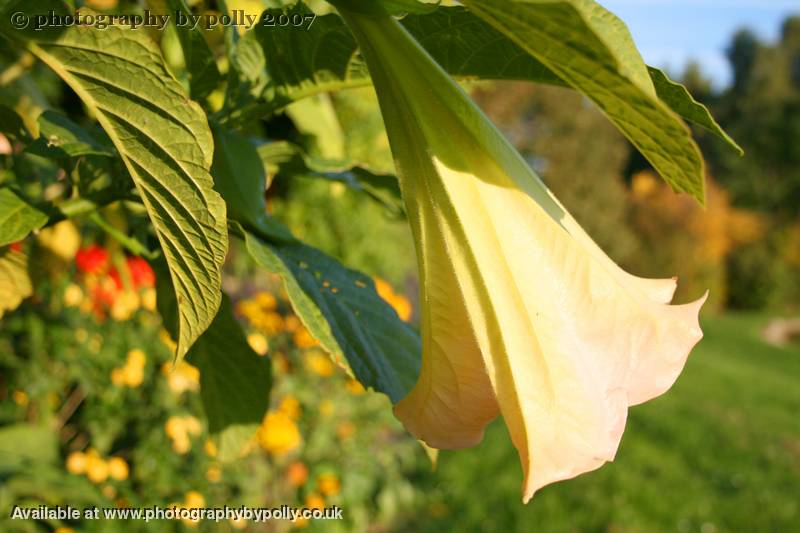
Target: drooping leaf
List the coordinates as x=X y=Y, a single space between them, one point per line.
x=682 y=102
x=15 y=283
x=591 y=49
x=59 y=137
x=343 y=312
x=234 y=382
x=240 y=176
x=465 y=45
x=288 y=159
x=164 y=140
x=17 y=217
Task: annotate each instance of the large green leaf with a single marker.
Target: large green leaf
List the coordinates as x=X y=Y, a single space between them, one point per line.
x=465 y=45
x=591 y=50
x=164 y=140
x=338 y=306
x=15 y=282
x=342 y=310
x=234 y=382
x=17 y=217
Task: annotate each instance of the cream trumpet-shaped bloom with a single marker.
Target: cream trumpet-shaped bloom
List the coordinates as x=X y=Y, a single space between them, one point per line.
x=522 y=314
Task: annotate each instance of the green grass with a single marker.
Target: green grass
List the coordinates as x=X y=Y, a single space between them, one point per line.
x=719 y=452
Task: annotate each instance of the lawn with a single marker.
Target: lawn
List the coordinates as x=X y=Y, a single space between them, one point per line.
x=719 y=452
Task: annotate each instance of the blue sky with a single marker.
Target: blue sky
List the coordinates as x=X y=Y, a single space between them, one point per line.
x=670 y=32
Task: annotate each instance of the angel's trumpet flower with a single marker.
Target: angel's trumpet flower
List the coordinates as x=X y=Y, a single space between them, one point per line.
x=523 y=315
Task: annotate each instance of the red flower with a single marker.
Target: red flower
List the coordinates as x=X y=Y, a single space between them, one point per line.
x=16 y=246
x=92 y=260
x=142 y=275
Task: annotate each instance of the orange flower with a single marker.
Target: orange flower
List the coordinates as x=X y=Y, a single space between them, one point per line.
x=296 y=474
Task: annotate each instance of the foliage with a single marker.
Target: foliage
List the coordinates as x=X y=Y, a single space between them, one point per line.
x=112 y=421
x=142 y=158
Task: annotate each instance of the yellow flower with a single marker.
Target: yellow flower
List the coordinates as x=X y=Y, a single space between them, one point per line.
x=303 y=339
x=399 y=302
x=181 y=377
x=73 y=295
x=76 y=463
x=181 y=444
x=125 y=305
x=63 y=530
x=315 y=501
x=118 y=468
x=291 y=323
x=63 y=240
x=319 y=363
x=278 y=434
x=20 y=398
x=210 y=448
x=109 y=492
x=271 y=322
x=96 y=468
x=149 y=299
x=354 y=387
x=132 y=376
x=266 y=300
x=194 y=499
x=238 y=523
x=523 y=315
x=328 y=484
x=136 y=358
x=258 y=343
x=179 y=428
x=291 y=407
x=213 y=474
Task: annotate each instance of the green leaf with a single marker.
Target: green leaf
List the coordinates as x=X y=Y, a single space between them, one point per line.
x=204 y=75
x=15 y=283
x=164 y=140
x=301 y=63
x=12 y=125
x=25 y=445
x=59 y=137
x=343 y=312
x=681 y=101
x=17 y=217
x=234 y=382
x=240 y=176
x=465 y=45
x=592 y=51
